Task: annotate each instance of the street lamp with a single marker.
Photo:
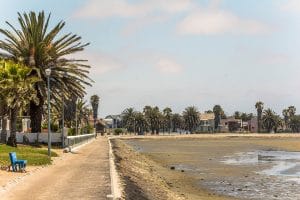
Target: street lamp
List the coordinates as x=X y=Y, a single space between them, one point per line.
x=63 y=115
x=48 y=73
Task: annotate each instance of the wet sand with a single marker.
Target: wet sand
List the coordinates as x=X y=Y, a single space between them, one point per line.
x=200 y=172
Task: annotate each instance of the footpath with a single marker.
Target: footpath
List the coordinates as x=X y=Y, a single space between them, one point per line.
x=83 y=174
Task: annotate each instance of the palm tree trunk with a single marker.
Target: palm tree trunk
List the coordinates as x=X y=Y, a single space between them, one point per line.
x=35 y=113
x=3 y=131
x=12 y=140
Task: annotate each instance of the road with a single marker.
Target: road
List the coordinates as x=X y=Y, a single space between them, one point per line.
x=80 y=175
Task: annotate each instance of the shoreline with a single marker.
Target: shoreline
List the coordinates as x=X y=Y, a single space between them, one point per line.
x=148 y=175
x=144 y=179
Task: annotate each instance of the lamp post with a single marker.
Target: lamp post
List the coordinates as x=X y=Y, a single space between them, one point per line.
x=63 y=116
x=48 y=73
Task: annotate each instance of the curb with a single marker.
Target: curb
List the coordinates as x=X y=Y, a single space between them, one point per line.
x=116 y=191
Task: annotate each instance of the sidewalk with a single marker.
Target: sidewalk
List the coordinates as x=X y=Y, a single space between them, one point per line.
x=80 y=175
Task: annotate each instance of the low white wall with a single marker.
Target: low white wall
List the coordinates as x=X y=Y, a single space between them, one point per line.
x=43 y=137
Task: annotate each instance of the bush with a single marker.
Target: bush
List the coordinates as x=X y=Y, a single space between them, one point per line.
x=118 y=131
x=71 y=131
x=54 y=127
x=87 y=129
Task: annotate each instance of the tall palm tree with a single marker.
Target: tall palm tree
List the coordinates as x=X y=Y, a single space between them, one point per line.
x=259 y=107
x=218 y=112
x=191 y=118
x=95 y=103
x=167 y=113
x=286 y=117
x=18 y=89
x=129 y=119
x=39 y=46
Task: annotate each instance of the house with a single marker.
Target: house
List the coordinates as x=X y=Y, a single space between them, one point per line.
x=207 y=122
x=231 y=125
x=113 y=121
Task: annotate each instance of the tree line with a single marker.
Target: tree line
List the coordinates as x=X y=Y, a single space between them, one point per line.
x=154 y=120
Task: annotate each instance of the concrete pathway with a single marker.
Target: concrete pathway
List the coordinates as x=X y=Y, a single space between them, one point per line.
x=80 y=175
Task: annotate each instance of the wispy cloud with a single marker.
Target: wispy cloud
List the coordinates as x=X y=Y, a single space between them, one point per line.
x=274 y=59
x=101 y=9
x=214 y=21
x=101 y=63
x=290 y=6
x=166 y=65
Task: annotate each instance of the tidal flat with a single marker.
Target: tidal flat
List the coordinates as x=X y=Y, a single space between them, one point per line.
x=216 y=168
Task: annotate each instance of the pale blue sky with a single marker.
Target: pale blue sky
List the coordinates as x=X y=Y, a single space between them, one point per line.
x=179 y=53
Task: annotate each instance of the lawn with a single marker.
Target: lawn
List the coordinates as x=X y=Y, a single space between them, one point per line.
x=33 y=155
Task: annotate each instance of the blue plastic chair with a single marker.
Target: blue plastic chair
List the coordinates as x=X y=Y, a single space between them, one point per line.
x=15 y=163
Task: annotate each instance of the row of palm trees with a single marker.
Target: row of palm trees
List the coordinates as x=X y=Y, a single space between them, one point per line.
x=271 y=122
x=27 y=50
x=151 y=119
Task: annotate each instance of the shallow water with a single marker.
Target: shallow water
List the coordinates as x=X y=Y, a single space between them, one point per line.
x=283 y=163
x=229 y=167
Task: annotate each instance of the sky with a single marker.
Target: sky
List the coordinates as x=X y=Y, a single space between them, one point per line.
x=179 y=53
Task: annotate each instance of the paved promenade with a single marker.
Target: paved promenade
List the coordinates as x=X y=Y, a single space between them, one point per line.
x=80 y=175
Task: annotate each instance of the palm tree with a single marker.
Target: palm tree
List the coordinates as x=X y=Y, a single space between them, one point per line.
x=167 y=113
x=153 y=117
x=259 y=107
x=95 y=103
x=82 y=113
x=237 y=115
x=38 y=46
x=18 y=89
x=191 y=118
x=286 y=117
x=291 y=111
x=70 y=110
x=129 y=119
x=295 y=123
x=270 y=120
x=140 y=123
x=218 y=112
x=177 y=121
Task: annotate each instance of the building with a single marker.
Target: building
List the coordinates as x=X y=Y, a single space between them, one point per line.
x=113 y=121
x=207 y=122
x=231 y=125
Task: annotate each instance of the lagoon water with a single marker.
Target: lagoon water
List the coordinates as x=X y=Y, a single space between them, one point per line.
x=231 y=167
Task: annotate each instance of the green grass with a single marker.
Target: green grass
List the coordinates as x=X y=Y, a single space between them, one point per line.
x=33 y=155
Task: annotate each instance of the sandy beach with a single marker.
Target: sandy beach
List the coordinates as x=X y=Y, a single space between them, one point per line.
x=199 y=171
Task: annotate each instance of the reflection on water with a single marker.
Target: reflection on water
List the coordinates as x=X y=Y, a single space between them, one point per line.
x=283 y=163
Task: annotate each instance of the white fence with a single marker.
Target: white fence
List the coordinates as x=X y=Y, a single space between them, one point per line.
x=73 y=141
x=43 y=137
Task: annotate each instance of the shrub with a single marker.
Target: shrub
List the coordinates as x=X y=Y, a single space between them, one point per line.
x=71 y=131
x=87 y=129
x=118 y=131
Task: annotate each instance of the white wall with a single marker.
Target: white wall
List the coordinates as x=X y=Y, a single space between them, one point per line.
x=43 y=137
